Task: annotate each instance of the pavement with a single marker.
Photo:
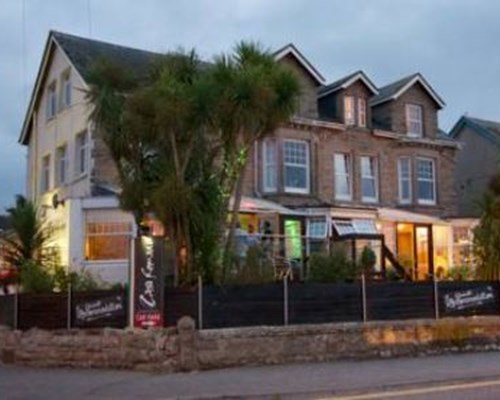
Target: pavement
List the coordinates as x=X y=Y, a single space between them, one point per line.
x=461 y=376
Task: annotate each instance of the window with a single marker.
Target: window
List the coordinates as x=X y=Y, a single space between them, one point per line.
x=51 y=105
x=45 y=178
x=65 y=94
x=362 y=112
x=345 y=227
x=317 y=228
x=270 y=170
x=369 y=179
x=426 y=181
x=82 y=153
x=414 y=124
x=107 y=241
x=349 y=116
x=404 y=180
x=296 y=163
x=61 y=165
x=342 y=169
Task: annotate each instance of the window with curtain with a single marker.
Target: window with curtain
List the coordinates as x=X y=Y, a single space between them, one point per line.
x=343 y=179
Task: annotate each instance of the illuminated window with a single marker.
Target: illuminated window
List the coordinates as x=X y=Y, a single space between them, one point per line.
x=414 y=123
x=349 y=116
x=107 y=241
x=296 y=165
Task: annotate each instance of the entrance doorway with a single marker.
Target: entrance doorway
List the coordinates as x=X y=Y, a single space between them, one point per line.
x=414 y=246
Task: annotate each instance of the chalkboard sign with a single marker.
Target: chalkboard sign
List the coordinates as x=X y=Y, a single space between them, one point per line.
x=470 y=298
x=90 y=311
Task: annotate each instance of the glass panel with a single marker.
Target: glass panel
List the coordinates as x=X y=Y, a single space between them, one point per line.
x=342 y=176
x=440 y=244
x=270 y=170
x=405 y=248
x=296 y=162
x=422 y=242
x=295 y=177
x=293 y=241
x=107 y=241
x=317 y=228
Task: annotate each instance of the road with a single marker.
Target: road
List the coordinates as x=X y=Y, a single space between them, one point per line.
x=465 y=376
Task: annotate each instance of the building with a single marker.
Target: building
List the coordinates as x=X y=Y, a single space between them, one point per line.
x=356 y=161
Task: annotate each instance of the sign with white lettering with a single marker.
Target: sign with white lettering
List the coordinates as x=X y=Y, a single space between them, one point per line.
x=468 y=299
x=148 y=281
x=89 y=311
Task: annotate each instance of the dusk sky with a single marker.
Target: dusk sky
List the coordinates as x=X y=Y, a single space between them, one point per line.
x=453 y=43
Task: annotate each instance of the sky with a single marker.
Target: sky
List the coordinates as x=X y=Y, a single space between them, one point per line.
x=453 y=43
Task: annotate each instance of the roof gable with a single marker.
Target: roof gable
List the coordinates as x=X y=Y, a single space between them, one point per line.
x=291 y=50
x=489 y=130
x=393 y=90
x=347 y=81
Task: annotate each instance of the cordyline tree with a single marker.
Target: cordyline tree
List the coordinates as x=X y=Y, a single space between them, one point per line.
x=181 y=138
x=487 y=234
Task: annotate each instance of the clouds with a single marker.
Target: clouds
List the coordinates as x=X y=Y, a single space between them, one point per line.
x=452 y=42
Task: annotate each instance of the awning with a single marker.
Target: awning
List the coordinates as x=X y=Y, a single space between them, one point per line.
x=395 y=215
x=355 y=227
x=261 y=206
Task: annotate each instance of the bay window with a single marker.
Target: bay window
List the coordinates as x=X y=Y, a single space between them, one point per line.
x=369 y=179
x=343 y=178
x=426 y=181
x=296 y=166
x=404 y=180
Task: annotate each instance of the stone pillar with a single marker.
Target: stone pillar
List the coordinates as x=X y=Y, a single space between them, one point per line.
x=188 y=352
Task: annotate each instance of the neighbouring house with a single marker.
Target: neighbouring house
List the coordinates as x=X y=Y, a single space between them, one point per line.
x=477 y=163
x=357 y=163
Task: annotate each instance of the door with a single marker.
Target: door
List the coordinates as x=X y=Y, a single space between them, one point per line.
x=423 y=251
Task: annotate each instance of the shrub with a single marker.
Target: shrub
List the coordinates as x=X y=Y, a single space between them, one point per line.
x=34 y=278
x=461 y=273
x=332 y=268
x=368 y=260
x=255 y=269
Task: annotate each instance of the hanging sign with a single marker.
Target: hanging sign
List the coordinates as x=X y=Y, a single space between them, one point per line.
x=148 y=282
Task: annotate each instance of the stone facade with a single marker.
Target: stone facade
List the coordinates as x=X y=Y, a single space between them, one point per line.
x=185 y=349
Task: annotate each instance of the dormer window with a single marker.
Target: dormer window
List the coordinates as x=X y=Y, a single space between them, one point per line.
x=349 y=111
x=414 y=122
x=362 y=112
x=65 y=91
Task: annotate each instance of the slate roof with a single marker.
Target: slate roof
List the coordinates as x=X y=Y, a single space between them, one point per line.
x=492 y=126
x=386 y=92
x=489 y=130
x=336 y=85
x=84 y=52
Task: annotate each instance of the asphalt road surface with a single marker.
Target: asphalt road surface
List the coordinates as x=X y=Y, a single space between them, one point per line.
x=465 y=376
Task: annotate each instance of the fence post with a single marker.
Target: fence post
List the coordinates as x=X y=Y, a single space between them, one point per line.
x=69 y=305
x=200 y=302
x=363 y=296
x=436 y=297
x=16 y=308
x=285 y=300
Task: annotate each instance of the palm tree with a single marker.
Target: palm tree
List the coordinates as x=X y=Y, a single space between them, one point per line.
x=28 y=234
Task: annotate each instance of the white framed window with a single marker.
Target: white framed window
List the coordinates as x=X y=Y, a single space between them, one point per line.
x=362 y=112
x=404 y=180
x=426 y=181
x=65 y=90
x=106 y=241
x=270 y=166
x=61 y=164
x=45 y=174
x=317 y=228
x=414 y=120
x=82 y=153
x=296 y=166
x=51 y=104
x=343 y=176
x=369 y=179
x=349 y=111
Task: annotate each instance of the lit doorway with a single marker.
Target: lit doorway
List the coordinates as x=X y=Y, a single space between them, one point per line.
x=414 y=249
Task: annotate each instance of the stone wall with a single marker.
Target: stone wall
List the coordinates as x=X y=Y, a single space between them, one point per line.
x=185 y=349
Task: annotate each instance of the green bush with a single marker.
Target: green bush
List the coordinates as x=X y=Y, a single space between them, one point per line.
x=461 y=273
x=34 y=278
x=332 y=268
x=368 y=260
x=254 y=269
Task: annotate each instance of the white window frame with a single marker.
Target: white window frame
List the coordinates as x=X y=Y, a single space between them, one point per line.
x=65 y=90
x=347 y=161
x=51 y=103
x=45 y=174
x=362 y=112
x=269 y=164
x=315 y=222
x=411 y=122
x=426 y=201
x=402 y=179
x=82 y=153
x=307 y=167
x=61 y=164
x=349 y=110
x=373 y=177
